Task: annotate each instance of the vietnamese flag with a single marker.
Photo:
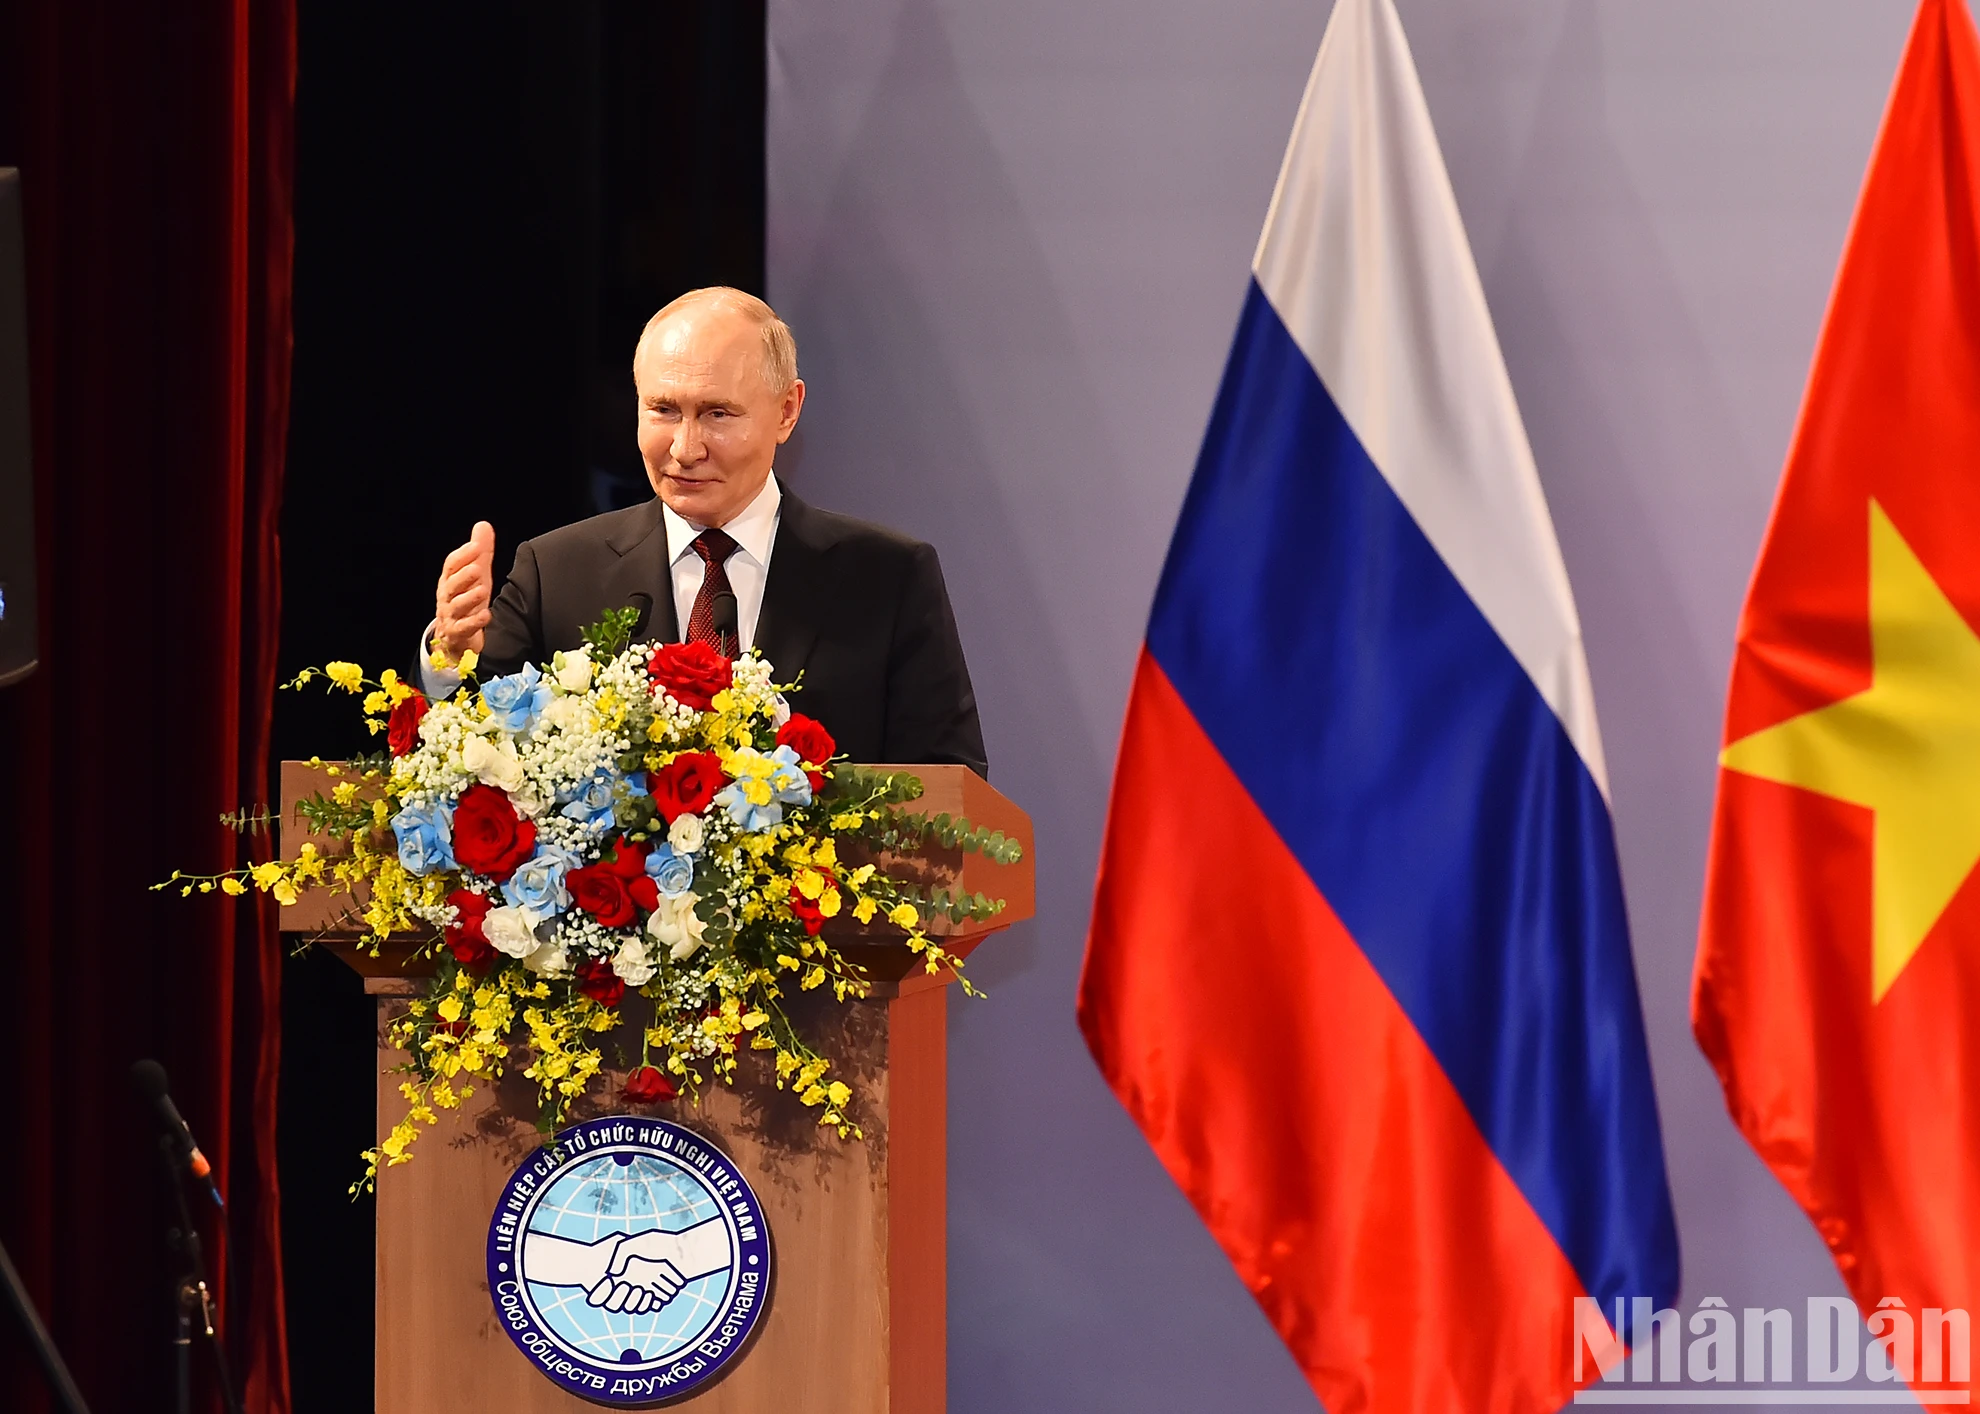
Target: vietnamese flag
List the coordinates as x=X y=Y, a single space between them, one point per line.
x=1838 y=979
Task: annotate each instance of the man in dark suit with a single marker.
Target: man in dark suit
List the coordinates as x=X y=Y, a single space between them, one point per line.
x=727 y=556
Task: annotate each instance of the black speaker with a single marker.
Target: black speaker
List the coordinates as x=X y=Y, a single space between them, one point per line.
x=17 y=608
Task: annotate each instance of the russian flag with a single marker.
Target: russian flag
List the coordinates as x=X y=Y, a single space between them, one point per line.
x=1359 y=965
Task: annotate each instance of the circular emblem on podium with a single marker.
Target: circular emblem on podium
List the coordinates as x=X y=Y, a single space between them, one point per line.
x=629 y=1261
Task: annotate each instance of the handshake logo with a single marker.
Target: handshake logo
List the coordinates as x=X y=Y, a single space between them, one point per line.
x=629 y=1261
x=630 y=1272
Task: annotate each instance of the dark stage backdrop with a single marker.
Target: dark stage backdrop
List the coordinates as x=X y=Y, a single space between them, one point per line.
x=490 y=203
x=154 y=139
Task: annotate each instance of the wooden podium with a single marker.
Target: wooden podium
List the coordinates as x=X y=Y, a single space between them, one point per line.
x=857 y=1317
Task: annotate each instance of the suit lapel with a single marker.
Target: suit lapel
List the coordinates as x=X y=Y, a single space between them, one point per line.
x=787 y=624
x=641 y=573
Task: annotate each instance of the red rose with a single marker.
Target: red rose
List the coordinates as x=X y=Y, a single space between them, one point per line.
x=807 y=912
x=489 y=837
x=691 y=672
x=402 y=727
x=685 y=785
x=470 y=945
x=629 y=862
x=648 y=1084
x=808 y=738
x=597 y=980
x=601 y=893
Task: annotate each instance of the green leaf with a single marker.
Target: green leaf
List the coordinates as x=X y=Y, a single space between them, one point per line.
x=613 y=631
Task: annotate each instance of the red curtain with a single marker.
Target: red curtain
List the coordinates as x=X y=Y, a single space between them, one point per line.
x=155 y=141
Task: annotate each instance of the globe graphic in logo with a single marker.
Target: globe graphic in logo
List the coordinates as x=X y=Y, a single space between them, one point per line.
x=629 y=1261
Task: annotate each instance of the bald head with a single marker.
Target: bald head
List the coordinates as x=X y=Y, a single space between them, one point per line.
x=725 y=303
x=718 y=394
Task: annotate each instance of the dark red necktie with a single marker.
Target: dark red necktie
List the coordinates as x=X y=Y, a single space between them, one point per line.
x=714 y=548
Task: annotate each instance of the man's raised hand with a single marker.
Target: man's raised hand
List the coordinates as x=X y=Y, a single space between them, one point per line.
x=461 y=600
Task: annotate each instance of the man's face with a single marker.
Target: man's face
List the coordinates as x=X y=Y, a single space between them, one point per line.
x=709 y=424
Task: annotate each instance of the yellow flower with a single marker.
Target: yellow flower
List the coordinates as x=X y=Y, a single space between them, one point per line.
x=449 y=1009
x=903 y=915
x=348 y=676
x=828 y=904
x=375 y=702
x=266 y=875
x=865 y=909
x=468 y=661
x=231 y=885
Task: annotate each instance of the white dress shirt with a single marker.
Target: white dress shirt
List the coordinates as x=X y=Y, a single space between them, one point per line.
x=755 y=534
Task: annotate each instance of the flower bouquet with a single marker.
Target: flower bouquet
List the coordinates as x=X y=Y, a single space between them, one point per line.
x=628 y=818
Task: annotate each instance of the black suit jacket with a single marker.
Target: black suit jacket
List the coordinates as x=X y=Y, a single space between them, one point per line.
x=861 y=611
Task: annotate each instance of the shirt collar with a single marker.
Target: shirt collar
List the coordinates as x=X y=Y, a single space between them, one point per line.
x=752 y=530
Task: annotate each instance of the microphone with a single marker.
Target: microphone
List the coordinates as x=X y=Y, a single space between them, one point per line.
x=149 y=1078
x=726 y=632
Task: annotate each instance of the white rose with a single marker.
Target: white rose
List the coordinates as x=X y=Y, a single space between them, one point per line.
x=511 y=930
x=573 y=670
x=570 y=714
x=550 y=958
x=494 y=763
x=634 y=964
x=685 y=834
x=675 y=927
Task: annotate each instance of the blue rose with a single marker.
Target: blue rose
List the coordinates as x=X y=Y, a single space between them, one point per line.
x=592 y=805
x=670 y=869
x=538 y=883
x=426 y=838
x=516 y=701
x=788 y=782
x=754 y=818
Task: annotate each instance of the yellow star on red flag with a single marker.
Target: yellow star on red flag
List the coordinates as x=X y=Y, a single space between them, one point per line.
x=1906 y=748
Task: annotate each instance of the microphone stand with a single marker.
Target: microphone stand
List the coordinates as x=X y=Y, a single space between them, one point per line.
x=192 y=1299
x=60 y=1381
